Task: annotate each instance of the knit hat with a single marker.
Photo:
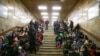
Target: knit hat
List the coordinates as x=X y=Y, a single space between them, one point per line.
x=19 y=47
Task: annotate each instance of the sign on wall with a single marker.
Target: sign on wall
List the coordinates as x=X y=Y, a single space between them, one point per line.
x=3 y=11
x=93 y=11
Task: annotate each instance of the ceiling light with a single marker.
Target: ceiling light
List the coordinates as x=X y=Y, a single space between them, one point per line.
x=42 y=7
x=55 y=17
x=62 y=0
x=44 y=13
x=55 y=13
x=45 y=17
x=56 y=8
x=10 y=7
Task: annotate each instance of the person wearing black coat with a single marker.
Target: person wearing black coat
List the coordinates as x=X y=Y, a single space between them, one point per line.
x=36 y=25
x=71 y=25
x=32 y=39
x=65 y=27
x=56 y=27
x=46 y=23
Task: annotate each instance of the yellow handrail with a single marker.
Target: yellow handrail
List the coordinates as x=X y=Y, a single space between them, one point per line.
x=91 y=34
x=11 y=29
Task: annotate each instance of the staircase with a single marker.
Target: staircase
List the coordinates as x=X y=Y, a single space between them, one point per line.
x=48 y=48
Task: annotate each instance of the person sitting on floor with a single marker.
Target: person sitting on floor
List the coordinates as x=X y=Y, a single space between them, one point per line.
x=21 y=51
x=58 y=41
x=67 y=47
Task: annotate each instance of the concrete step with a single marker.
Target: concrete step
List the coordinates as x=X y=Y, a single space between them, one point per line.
x=31 y=55
x=49 y=47
x=48 y=53
x=49 y=38
x=49 y=31
x=46 y=35
x=49 y=42
x=51 y=50
x=45 y=55
x=53 y=39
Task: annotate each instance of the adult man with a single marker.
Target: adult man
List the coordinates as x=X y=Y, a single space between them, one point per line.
x=46 y=24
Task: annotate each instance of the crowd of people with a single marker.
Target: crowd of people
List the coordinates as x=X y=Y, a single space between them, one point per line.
x=73 y=41
x=22 y=40
x=28 y=39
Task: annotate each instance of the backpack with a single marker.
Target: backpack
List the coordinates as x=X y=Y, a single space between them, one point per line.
x=39 y=39
x=61 y=34
x=58 y=46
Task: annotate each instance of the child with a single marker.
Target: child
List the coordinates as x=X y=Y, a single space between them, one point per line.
x=93 y=50
x=21 y=52
x=40 y=38
x=1 y=40
x=67 y=47
x=74 y=46
x=58 y=41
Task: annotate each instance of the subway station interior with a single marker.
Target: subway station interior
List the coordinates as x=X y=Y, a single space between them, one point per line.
x=49 y=28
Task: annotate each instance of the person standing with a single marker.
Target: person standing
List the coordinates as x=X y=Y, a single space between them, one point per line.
x=71 y=25
x=42 y=22
x=46 y=24
x=32 y=39
x=56 y=27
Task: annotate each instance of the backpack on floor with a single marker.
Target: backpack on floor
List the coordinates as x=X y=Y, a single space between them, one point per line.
x=58 y=46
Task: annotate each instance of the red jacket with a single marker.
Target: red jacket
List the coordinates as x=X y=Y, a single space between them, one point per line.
x=42 y=22
x=39 y=39
x=92 y=52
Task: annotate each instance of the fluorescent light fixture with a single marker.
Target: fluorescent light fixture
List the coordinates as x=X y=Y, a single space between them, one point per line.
x=62 y=0
x=56 y=8
x=42 y=7
x=45 y=17
x=55 y=17
x=10 y=7
x=55 y=13
x=44 y=13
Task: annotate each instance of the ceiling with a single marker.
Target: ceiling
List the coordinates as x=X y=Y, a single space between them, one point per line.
x=67 y=6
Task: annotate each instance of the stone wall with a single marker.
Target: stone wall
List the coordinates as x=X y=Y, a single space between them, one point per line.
x=11 y=20
x=92 y=26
